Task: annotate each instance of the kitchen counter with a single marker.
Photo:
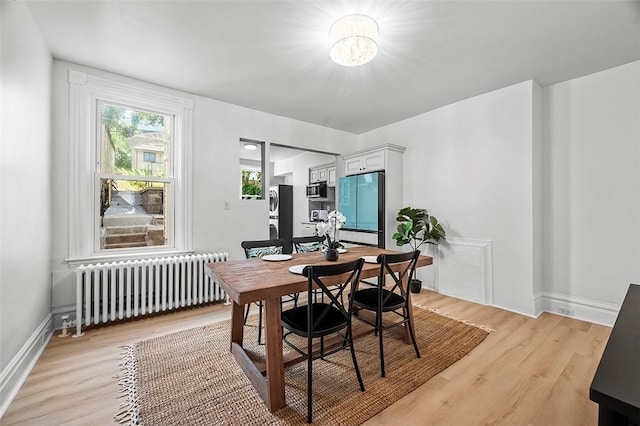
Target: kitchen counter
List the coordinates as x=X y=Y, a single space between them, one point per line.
x=307 y=228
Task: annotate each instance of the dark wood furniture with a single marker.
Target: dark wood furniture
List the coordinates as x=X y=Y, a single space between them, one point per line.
x=249 y=280
x=616 y=384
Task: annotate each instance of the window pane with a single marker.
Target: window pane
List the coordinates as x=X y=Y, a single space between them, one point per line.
x=251 y=170
x=251 y=184
x=133 y=214
x=133 y=142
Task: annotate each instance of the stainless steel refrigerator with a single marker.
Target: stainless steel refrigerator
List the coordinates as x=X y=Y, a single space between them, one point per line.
x=361 y=200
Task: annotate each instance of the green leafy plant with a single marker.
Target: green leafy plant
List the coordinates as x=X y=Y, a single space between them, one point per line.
x=417 y=227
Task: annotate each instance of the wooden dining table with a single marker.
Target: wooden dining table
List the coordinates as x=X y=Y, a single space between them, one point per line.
x=251 y=280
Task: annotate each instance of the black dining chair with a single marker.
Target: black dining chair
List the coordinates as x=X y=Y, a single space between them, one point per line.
x=317 y=320
x=259 y=248
x=307 y=244
x=394 y=300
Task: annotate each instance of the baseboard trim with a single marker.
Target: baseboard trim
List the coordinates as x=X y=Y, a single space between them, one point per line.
x=14 y=375
x=580 y=308
x=568 y=306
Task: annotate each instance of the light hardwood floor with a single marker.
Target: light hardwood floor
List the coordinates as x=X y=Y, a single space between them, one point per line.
x=527 y=372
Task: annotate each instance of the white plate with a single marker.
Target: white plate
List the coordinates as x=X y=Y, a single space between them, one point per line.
x=297 y=269
x=342 y=250
x=370 y=259
x=276 y=257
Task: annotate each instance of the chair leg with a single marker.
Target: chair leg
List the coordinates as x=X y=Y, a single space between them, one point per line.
x=379 y=329
x=413 y=337
x=375 y=329
x=246 y=313
x=353 y=358
x=260 y=322
x=309 y=381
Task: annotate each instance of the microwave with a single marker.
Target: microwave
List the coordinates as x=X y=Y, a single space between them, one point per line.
x=317 y=190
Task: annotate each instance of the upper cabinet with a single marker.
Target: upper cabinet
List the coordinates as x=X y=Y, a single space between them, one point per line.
x=364 y=162
x=313 y=175
x=324 y=173
x=370 y=160
x=331 y=176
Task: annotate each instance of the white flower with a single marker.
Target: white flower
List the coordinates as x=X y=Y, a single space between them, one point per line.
x=329 y=229
x=322 y=228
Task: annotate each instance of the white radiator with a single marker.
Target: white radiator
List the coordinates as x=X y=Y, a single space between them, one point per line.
x=117 y=290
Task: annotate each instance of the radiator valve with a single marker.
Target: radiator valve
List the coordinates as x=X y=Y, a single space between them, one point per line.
x=65 y=326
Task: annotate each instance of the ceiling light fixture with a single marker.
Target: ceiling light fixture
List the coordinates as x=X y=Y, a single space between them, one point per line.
x=250 y=146
x=354 y=40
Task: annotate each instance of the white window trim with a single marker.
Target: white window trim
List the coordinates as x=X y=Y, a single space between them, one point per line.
x=84 y=91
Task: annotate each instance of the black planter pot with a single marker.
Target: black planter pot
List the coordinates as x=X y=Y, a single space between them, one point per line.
x=331 y=255
x=416 y=286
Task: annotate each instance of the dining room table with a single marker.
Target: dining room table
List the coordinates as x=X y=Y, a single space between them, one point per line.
x=267 y=279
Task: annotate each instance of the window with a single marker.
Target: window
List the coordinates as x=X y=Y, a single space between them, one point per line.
x=251 y=170
x=132 y=210
x=149 y=157
x=129 y=186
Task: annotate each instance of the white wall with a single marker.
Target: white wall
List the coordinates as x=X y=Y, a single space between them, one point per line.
x=25 y=185
x=544 y=181
x=591 y=169
x=471 y=165
x=217 y=128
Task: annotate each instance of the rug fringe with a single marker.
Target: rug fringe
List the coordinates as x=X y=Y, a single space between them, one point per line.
x=128 y=413
x=444 y=314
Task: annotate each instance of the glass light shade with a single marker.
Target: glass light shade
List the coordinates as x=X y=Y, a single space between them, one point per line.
x=250 y=146
x=354 y=40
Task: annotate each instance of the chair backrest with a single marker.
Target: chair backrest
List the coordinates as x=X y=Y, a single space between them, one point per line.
x=403 y=277
x=315 y=275
x=261 y=248
x=307 y=244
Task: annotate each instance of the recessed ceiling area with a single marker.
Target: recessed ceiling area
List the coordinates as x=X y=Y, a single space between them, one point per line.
x=273 y=56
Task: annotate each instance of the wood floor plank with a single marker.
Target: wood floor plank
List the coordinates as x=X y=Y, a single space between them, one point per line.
x=527 y=372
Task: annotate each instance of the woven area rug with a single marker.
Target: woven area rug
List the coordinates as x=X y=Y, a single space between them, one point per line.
x=191 y=378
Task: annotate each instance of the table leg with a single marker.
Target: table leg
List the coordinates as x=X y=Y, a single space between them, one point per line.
x=237 y=323
x=273 y=349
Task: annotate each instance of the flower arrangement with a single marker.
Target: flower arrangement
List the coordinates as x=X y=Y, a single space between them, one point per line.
x=329 y=229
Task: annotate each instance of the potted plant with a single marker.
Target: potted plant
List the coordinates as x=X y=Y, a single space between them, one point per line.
x=416 y=227
x=329 y=230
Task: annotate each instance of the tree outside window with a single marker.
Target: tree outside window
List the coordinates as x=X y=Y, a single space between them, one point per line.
x=251 y=183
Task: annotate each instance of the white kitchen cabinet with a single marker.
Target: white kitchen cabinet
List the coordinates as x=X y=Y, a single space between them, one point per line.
x=307 y=229
x=365 y=162
x=322 y=174
x=331 y=176
x=313 y=175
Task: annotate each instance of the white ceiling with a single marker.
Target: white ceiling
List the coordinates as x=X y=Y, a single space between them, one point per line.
x=273 y=56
